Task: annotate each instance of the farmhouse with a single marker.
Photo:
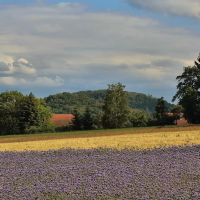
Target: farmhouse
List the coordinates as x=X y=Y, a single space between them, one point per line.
x=181 y=121
x=62 y=119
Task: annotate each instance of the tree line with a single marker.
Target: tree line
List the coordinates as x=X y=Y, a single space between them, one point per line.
x=64 y=103
x=116 y=113
x=25 y=114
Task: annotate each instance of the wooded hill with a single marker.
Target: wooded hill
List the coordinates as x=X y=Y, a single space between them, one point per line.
x=65 y=102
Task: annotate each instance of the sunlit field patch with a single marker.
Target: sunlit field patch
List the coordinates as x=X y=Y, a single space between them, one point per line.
x=140 y=139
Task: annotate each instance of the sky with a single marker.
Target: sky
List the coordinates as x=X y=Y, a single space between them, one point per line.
x=52 y=46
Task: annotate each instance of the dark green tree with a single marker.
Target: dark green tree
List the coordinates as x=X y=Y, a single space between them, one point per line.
x=87 y=119
x=29 y=113
x=188 y=93
x=116 y=109
x=45 y=115
x=161 y=111
x=76 y=120
x=21 y=114
x=9 y=110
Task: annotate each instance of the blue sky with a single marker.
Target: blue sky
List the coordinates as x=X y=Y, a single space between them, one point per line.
x=53 y=46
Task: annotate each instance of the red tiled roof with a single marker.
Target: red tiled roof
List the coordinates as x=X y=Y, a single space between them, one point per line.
x=61 y=119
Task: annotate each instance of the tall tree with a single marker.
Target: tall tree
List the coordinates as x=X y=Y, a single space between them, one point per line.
x=161 y=111
x=76 y=120
x=29 y=113
x=45 y=115
x=87 y=119
x=9 y=110
x=188 y=92
x=116 y=109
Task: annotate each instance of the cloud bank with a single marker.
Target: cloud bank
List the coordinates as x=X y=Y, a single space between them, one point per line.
x=65 y=47
x=186 y=8
x=22 y=72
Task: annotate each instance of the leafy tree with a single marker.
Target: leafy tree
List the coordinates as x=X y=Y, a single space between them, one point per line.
x=87 y=119
x=23 y=114
x=76 y=120
x=9 y=109
x=116 y=109
x=45 y=115
x=161 y=111
x=188 y=92
x=29 y=113
x=140 y=118
x=98 y=121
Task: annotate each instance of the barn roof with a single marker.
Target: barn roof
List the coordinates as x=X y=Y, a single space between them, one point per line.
x=61 y=119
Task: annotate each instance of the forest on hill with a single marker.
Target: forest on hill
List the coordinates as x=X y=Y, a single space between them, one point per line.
x=64 y=103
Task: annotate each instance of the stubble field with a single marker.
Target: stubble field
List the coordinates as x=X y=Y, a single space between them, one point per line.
x=128 y=138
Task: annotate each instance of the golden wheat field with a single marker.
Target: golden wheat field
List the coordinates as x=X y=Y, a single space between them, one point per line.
x=140 y=139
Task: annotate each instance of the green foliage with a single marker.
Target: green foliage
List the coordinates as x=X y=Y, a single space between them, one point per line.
x=9 y=109
x=188 y=92
x=161 y=115
x=98 y=121
x=28 y=113
x=115 y=110
x=45 y=115
x=64 y=128
x=140 y=118
x=21 y=114
x=77 y=120
x=88 y=121
x=161 y=111
x=65 y=102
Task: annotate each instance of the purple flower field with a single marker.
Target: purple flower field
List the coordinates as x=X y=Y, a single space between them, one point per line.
x=170 y=173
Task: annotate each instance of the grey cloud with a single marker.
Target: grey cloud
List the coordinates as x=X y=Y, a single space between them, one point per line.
x=123 y=66
x=105 y=71
x=178 y=7
x=18 y=64
x=142 y=66
x=22 y=66
x=168 y=63
x=3 y=66
x=39 y=63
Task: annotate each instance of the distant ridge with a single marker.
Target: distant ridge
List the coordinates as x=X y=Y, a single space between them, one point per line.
x=63 y=103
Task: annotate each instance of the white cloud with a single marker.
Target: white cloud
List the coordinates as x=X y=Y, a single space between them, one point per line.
x=175 y=7
x=12 y=81
x=21 y=66
x=48 y=82
x=22 y=60
x=38 y=82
